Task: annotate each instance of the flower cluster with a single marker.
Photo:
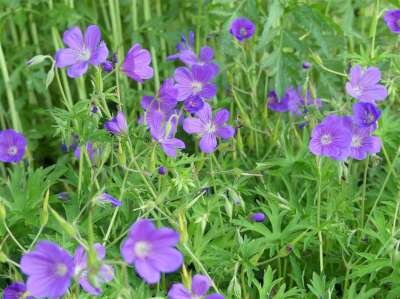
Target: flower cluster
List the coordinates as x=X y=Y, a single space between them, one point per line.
x=51 y=269
x=193 y=86
x=343 y=137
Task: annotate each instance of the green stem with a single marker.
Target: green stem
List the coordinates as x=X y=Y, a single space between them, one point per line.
x=321 y=253
x=16 y=122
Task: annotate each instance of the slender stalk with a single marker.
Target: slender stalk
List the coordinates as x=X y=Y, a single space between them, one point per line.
x=321 y=253
x=147 y=17
x=13 y=237
x=364 y=189
x=16 y=122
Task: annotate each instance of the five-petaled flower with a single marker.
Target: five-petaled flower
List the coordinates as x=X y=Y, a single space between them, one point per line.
x=151 y=250
x=209 y=127
x=137 y=64
x=242 y=29
x=82 y=51
x=199 y=289
x=12 y=146
x=364 y=84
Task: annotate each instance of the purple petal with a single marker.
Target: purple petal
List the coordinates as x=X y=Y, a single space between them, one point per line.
x=178 y=291
x=206 y=54
x=171 y=145
x=201 y=73
x=188 y=57
x=193 y=125
x=142 y=229
x=164 y=237
x=166 y=259
x=205 y=114
x=99 y=55
x=146 y=271
x=208 y=91
x=371 y=76
x=92 y=37
x=215 y=296
x=374 y=93
x=355 y=74
x=200 y=285
x=73 y=38
x=77 y=69
x=225 y=132
x=183 y=75
x=208 y=143
x=66 y=57
x=221 y=117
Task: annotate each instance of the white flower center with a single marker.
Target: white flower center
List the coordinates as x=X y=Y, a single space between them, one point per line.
x=326 y=139
x=210 y=128
x=197 y=87
x=12 y=150
x=357 y=90
x=356 y=141
x=61 y=269
x=84 y=55
x=142 y=249
x=369 y=118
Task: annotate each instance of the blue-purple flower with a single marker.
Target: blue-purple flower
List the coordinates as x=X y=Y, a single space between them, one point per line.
x=49 y=269
x=193 y=104
x=242 y=29
x=82 y=51
x=12 y=146
x=297 y=103
x=199 y=289
x=117 y=125
x=209 y=127
x=366 y=115
x=151 y=250
x=331 y=138
x=195 y=82
x=105 y=197
x=91 y=278
x=163 y=129
x=258 y=217
x=183 y=45
x=137 y=64
x=16 y=290
x=166 y=99
x=364 y=84
x=392 y=19
x=276 y=104
x=90 y=150
x=362 y=142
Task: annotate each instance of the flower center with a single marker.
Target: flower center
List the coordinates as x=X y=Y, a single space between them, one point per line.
x=84 y=55
x=142 y=249
x=197 y=87
x=326 y=139
x=12 y=150
x=210 y=128
x=357 y=90
x=369 y=118
x=61 y=269
x=356 y=141
x=196 y=297
x=243 y=31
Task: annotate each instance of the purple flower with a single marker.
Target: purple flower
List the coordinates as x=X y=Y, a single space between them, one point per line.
x=91 y=278
x=365 y=115
x=163 y=131
x=105 y=197
x=151 y=250
x=49 y=269
x=16 y=290
x=136 y=64
x=109 y=65
x=242 y=28
x=195 y=82
x=185 y=44
x=200 y=286
x=392 y=19
x=90 y=149
x=306 y=65
x=297 y=104
x=117 y=125
x=162 y=170
x=363 y=84
x=258 y=217
x=276 y=104
x=362 y=143
x=331 y=138
x=166 y=99
x=193 y=104
x=82 y=51
x=12 y=146
x=209 y=128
